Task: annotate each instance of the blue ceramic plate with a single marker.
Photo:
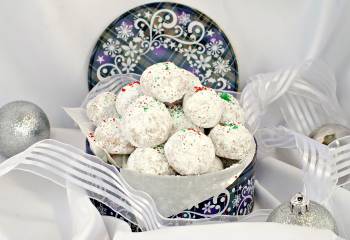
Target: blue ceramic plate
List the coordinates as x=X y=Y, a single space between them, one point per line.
x=159 y=32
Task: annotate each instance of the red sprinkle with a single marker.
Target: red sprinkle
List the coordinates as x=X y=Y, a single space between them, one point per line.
x=195 y=130
x=123 y=89
x=133 y=83
x=197 y=89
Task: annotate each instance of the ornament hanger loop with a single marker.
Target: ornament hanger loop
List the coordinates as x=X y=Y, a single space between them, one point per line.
x=299 y=204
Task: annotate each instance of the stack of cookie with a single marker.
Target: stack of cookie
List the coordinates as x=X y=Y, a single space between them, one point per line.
x=170 y=124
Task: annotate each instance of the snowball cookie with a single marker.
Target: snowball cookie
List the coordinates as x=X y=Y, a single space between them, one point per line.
x=127 y=95
x=232 y=141
x=203 y=107
x=164 y=82
x=108 y=136
x=192 y=80
x=146 y=122
x=149 y=161
x=233 y=112
x=190 y=152
x=180 y=121
x=101 y=107
x=217 y=165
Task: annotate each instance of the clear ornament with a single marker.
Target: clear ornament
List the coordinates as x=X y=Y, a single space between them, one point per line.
x=300 y=211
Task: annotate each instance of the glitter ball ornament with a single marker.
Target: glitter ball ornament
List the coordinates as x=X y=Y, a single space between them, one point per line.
x=21 y=124
x=329 y=132
x=302 y=212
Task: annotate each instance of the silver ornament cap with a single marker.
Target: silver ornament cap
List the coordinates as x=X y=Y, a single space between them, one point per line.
x=299 y=204
x=300 y=211
x=21 y=125
x=329 y=132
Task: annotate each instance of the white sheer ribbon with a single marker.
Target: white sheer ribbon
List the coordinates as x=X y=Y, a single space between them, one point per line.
x=323 y=166
x=340 y=149
x=301 y=97
x=110 y=84
x=66 y=165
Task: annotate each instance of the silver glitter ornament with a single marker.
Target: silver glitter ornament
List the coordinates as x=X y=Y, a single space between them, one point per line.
x=21 y=124
x=329 y=132
x=302 y=212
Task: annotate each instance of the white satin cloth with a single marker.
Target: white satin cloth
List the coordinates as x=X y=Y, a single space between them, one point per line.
x=34 y=208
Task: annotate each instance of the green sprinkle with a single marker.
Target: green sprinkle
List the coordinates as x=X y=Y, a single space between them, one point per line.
x=226 y=97
x=231 y=125
x=145 y=109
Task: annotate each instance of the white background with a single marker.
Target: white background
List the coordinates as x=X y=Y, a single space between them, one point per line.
x=45 y=45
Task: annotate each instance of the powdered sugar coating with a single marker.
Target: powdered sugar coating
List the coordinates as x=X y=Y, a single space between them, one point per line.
x=203 y=107
x=190 y=152
x=192 y=80
x=217 y=165
x=180 y=121
x=147 y=122
x=233 y=112
x=108 y=136
x=102 y=107
x=149 y=161
x=232 y=141
x=127 y=95
x=164 y=81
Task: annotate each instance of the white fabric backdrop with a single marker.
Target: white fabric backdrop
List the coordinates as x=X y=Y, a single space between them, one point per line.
x=45 y=45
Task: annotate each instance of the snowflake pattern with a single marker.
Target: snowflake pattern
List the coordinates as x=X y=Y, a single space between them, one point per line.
x=111 y=47
x=148 y=15
x=124 y=31
x=128 y=66
x=167 y=32
x=184 y=18
x=130 y=50
x=215 y=47
x=203 y=62
x=207 y=207
x=221 y=66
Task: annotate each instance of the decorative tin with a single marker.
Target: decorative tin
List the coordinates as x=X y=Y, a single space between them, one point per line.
x=237 y=199
x=164 y=31
x=159 y=32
